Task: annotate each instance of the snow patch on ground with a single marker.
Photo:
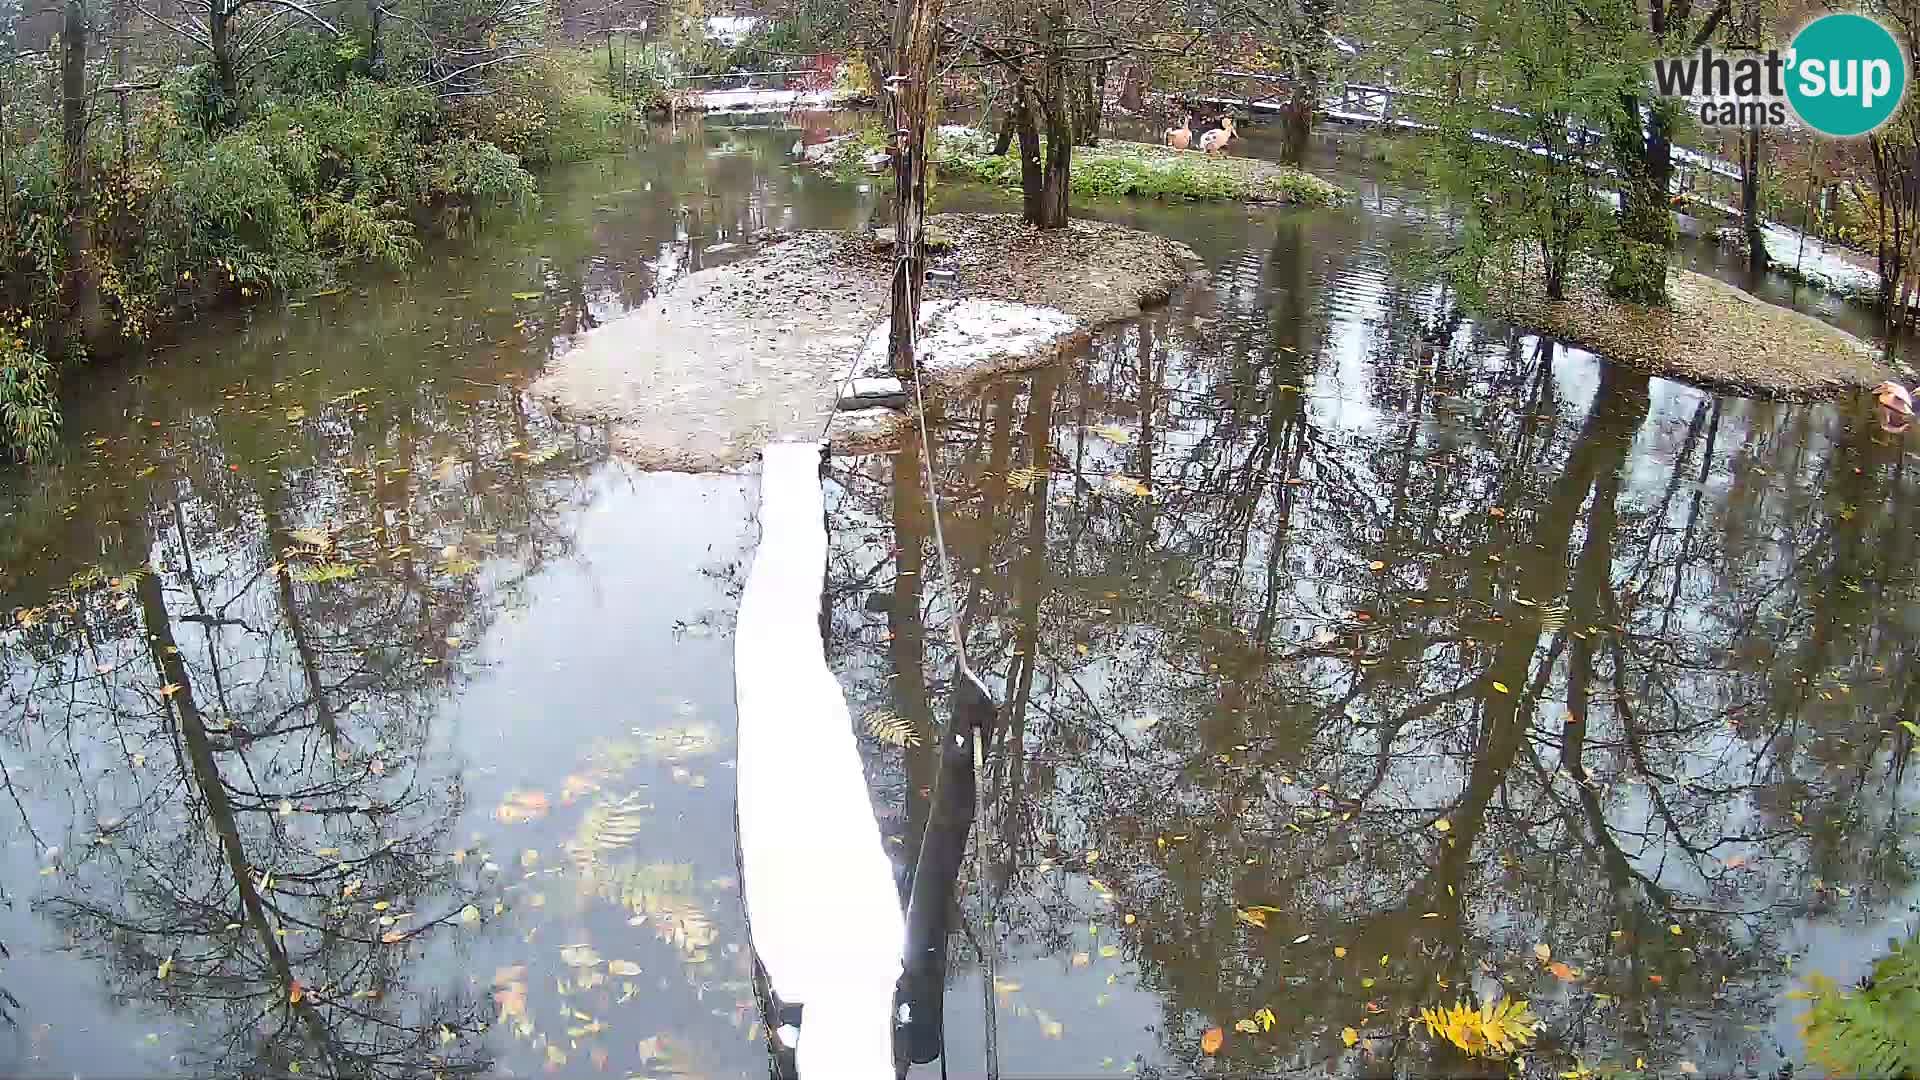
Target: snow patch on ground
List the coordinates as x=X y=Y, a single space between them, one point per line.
x=956 y=335
x=1820 y=265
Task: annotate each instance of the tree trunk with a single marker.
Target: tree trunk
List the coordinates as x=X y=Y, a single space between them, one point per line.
x=915 y=35
x=377 y=50
x=82 y=299
x=1645 y=162
x=1297 y=127
x=1087 y=92
x=1004 y=140
x=1054 y=91
x=1027 y=126
x=1133 y=92
x=226 y=74
x=1750 y=202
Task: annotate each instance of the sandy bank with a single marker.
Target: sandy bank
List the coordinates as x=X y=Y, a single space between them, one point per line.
x=727 y=359
x=1714 y=336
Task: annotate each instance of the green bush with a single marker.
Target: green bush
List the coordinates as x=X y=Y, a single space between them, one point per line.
x=29 y=411
x=1873 y=1029
x=311 y=168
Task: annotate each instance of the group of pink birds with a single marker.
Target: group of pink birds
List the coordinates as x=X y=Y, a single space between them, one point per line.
x=1894 y=405
x=1213 y=140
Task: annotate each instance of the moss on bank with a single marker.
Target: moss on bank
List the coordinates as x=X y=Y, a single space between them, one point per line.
x=1114 y=168
x=1713 y=335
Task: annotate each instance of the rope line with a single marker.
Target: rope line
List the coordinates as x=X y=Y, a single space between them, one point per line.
x=902 y=266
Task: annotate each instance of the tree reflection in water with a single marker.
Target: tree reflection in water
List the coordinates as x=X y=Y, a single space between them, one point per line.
x=1439 y=658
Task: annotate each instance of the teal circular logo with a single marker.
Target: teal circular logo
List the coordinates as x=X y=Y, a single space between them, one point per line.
x=1845 y=75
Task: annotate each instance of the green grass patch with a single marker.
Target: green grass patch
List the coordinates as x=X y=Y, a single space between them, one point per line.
x=1142 y=171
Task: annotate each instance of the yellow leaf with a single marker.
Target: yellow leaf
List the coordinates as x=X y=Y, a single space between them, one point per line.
x=1210 y=1042
x=1252 y=917
x=1675 y=930
x=1376 y=565
x=555 y=1056
x=623 y=967
x=1264 y=1017
x=1500 y=686
x=296 y=992
x=1114 y=434
x=1443 y=825
x=393 y=937
x=1689 y=1068
x=469 y=914
x=1561 y=971
x=1246 y=1027
x=166 y=967
x=1349 y=1036
x=1544 y=952
x=1108 y=952
x=381 y=905
x=1340 y=951
x=1081 y=959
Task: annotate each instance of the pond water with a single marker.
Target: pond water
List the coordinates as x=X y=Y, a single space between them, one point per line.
x=362 y=720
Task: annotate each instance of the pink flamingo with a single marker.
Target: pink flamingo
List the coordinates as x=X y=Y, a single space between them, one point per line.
x=1894 y=407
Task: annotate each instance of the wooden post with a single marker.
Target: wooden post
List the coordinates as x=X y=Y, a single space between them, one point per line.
x=909 y=89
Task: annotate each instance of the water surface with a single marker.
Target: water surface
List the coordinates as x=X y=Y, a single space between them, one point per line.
x=364 y=718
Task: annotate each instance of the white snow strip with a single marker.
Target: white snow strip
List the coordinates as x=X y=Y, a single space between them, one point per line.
x=820 y=897
x=959 y=334
x=769 y=100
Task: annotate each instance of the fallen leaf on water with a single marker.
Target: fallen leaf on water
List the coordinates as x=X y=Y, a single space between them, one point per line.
x=533 y=295
x=1431 y=915
x=1265 y=1018
x=1544 y=952
x=1500 y=686
x=1376 y=565
x=166 y=967
x=1497 y=512
x=469 y=914
x=1561 y=971
x=522 y=806
x=1114 y=434
x=1675 y=930
x=296 y=413
x=623 y=967
x=392 y=937
x=1129 y=485
x=1443 y=825
x=1656 y=979
x=1246 y=1027
x=1303 y=939
x=556 y=1057
x=579 y=956
x=296 y=992
x=1211 y=1041
x=504 y=976
x=1253 y=917
x=1340 y=951
x=1688 y=1068
x=1349 y=1036
x=1108 y=952
x=1736 y=862
x=1081 y=959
